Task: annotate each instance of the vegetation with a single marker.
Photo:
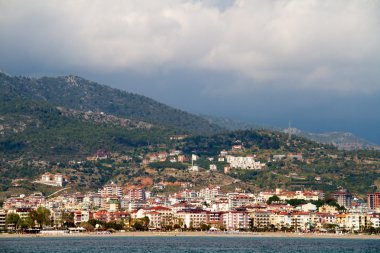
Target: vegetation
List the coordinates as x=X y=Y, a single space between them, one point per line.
x=212 y=145
x=272 y=199
x=80 y=94
x=45 y=125
x=41 y=216
x=102 y=225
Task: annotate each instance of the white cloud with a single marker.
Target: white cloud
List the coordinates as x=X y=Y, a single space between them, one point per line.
x=318 y=44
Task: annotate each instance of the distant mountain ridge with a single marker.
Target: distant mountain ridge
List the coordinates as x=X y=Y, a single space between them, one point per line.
x=76 y=93
x=341 y=140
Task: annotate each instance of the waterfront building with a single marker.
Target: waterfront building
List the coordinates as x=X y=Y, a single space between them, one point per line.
x=236 y=220
x=260 y=219
x=3 y=216
x=193 y=218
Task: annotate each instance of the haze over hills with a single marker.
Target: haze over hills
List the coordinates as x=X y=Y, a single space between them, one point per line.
x=341 y=140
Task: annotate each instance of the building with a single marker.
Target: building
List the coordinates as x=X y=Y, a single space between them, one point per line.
x=236 y=220
x=297 y=156
x=213 y=167
x=280 y=220
x=193 y=218
x=302 y=221
x=286 y=195
x=328 y=209
x=194 y=168
x=356 y=221
x=343 y=198
x=215 y=219
x=137 y=194
x=209 y=193
x=373 y=200
x=111 y=190
x=374 y=220
x=52 y=179
x=246 y=163
x=309 y=207
x=81 y=216
x=236 y=200
x=260 y=219
x=3 y=216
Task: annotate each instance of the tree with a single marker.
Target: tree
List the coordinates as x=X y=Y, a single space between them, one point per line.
x=138 y=225
x=27 y=223
x=205 y=226
x=146 y=222
x=12 y=219
x=296 y=202
x=113 y=225
x=274 y=198
x=141 y=223
x=191 y=227
x=168 y=227
x=67 y=219
x=41 y=216
x=87 y=226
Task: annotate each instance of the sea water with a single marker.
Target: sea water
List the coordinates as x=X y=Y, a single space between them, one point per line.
x=186 y=244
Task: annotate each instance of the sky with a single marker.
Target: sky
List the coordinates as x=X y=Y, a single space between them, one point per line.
x=315 y=63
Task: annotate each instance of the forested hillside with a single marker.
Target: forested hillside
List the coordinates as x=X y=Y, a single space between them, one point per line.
x=80 y=94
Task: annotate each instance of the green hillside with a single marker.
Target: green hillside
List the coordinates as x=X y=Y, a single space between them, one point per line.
x=80 y=94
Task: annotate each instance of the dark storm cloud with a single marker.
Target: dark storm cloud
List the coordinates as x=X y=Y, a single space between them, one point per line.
x=268 y=61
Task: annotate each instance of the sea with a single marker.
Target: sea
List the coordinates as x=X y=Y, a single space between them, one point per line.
x=186 y=244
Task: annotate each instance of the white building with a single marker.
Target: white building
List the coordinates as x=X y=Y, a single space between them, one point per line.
x=213 y=167
x=52 y=179
x=209 y=194
x=193 y=217
x=239 y=200
x=247 y=163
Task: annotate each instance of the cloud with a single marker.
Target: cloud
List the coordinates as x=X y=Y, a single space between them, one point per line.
x=304 y=44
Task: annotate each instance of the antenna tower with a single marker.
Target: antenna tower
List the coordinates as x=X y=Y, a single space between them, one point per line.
x=289 y=132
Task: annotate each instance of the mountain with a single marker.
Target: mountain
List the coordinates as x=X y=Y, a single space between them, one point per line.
x=59 y=124
x=232 y=124
x=341 y=140
x=79 y=94
x=34 y=129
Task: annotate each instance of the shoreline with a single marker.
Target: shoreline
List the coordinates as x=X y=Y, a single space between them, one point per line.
x=200 y=234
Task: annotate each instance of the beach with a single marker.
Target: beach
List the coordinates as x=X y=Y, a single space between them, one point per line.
x=199 y=234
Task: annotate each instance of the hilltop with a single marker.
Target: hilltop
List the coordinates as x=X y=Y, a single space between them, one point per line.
x=76 y=93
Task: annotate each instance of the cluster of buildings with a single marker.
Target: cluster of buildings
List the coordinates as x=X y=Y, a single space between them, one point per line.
x=235 y=162
x=208 y=206
x=244 y=162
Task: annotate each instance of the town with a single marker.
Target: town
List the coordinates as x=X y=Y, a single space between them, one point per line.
x=115 y=207
x=125 y=207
